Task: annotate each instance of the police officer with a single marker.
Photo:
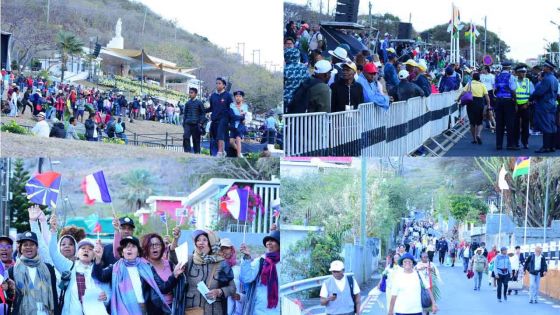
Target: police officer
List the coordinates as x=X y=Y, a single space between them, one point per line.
x=522 y=117
x=504 y=93
x=545 y=95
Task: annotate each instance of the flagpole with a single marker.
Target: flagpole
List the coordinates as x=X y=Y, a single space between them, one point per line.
x=500 y=225
x=545 y=221
x=166 y=224
x=527 y=203
x=245 y=223
x=452 y=50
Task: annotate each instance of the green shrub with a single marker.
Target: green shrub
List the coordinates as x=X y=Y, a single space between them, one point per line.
x=13 y=127
x=113 y=140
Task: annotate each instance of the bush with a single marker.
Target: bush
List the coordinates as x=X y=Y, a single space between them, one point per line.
x=204 y=151
x=113 y=140
x=13 y=127
x=81 y=136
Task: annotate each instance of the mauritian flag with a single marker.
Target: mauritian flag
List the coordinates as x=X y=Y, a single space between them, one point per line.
x=95 y=188
x=43 y=189
x=521 y=166
x=237 y=204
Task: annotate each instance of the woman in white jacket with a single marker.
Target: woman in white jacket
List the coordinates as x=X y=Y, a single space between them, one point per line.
x=80 y=279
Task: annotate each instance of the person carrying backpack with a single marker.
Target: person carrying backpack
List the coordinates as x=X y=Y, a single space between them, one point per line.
x=505 y=107
x=313 y=95
x=340 y=294
x=478 y=264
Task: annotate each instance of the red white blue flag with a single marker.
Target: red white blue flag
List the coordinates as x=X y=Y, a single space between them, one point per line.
x=43 y=189
x=95 y=188
x=237 y=204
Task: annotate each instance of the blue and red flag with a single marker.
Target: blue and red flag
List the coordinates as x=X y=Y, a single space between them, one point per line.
x=237 y=204
x=43 y=189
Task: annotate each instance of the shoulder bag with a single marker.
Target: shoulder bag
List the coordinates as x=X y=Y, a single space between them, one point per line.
x=467 y=97
x=424 y=294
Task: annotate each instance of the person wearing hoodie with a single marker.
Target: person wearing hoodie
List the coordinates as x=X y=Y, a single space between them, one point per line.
x=294 y=73
x=78 y=272
x=502 y=272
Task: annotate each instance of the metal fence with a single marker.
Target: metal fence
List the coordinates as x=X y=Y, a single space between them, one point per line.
x=371 y=130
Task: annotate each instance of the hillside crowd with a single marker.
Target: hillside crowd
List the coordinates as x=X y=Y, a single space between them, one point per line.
x=61 y=271
x=58 y=107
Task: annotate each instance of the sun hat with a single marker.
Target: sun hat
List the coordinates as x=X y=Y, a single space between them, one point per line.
x=336 y=265
x=403 y=74
x=339 y=53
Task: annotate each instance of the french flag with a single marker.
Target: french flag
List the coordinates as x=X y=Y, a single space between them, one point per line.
x=95 y=188
x=237 y=203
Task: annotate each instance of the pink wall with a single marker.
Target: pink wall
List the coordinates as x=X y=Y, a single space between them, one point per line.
x=168 y=207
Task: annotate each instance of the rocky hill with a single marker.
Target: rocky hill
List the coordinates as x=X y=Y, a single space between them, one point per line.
x=33 y=37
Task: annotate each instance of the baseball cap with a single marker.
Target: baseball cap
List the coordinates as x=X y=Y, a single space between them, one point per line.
x=130 y=239
x=403 y=74
x=370 y=68
x=323 y=66
x=350 y=65
x=226 y=242
x=126 y=220
x=336 y=265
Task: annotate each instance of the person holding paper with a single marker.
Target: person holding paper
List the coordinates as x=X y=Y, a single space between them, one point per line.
x=153 y=247
x=134 y=290
x=206 y=271
x=262 y=277
x=80 y=276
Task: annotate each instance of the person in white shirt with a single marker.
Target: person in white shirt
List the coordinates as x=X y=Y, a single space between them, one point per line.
x=406 y=289
x=338 y=294
x=35 y=281
x=41 y=128
x=317 y=38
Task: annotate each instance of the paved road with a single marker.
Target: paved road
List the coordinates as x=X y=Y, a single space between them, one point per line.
x=488 y=147
x=459 y=298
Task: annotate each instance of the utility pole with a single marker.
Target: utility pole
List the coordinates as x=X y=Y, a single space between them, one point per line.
x=48 y=10
x=545 y=219
x=363 y=212
x=255 y=50
x=485 y=36
x=243 y=55
x=321 y=7
x=370 y=23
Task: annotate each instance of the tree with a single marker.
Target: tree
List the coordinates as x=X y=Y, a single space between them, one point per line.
x=69 y=45
x=138 y=186
x=19 y=203
x=467 y=208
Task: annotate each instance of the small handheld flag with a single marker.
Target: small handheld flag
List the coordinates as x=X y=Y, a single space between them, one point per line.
x=95 y=188
x=97 y=229
x=163 y=218
x=43 y=189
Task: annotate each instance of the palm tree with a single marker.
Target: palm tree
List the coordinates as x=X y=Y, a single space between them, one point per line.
x=138 y=186
x=68 y=44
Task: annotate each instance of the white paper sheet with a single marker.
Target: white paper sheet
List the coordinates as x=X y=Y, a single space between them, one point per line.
x=182 y=252
x=203 y=289
x=92 y=305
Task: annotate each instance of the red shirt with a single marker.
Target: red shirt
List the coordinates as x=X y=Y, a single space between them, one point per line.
x=491 y=255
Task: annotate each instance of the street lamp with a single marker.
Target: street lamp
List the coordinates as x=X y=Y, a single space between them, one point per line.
x=558 y=25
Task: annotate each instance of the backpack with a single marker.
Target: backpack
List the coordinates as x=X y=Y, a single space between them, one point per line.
x=300 y=99
x=323 y=46
x=119 y=128
x=479 y=263
x=351 y=284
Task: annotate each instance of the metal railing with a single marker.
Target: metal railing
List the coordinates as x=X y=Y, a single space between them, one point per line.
x=371 y=130
x=289 y=306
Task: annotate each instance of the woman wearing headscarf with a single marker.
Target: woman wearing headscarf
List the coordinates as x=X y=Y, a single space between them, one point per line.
x=79 y=277
x=262 y=276
x=34 y=281
x=134 y=290
x=153 y=247
x=206 y=265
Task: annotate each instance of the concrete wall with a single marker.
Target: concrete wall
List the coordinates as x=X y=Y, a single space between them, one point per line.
x=512 y=235
x=362 y=260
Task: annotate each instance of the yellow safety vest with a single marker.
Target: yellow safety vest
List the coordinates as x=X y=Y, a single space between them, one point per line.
x=522 y=92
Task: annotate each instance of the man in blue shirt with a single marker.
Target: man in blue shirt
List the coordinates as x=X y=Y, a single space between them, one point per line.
x=545 y=95
x=384 y=46
x=368 y=80
x=505 y=107
x=219 y=106
x=390 y=75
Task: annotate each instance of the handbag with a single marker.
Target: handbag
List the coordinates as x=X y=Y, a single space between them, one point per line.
x=467 y=97
x=383 y=284
x=424 y=294
x=470 y=274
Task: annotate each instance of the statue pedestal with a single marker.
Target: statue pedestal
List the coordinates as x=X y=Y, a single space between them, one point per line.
x=116 y=42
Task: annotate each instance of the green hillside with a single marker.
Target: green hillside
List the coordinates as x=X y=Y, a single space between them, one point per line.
x=33 y=37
